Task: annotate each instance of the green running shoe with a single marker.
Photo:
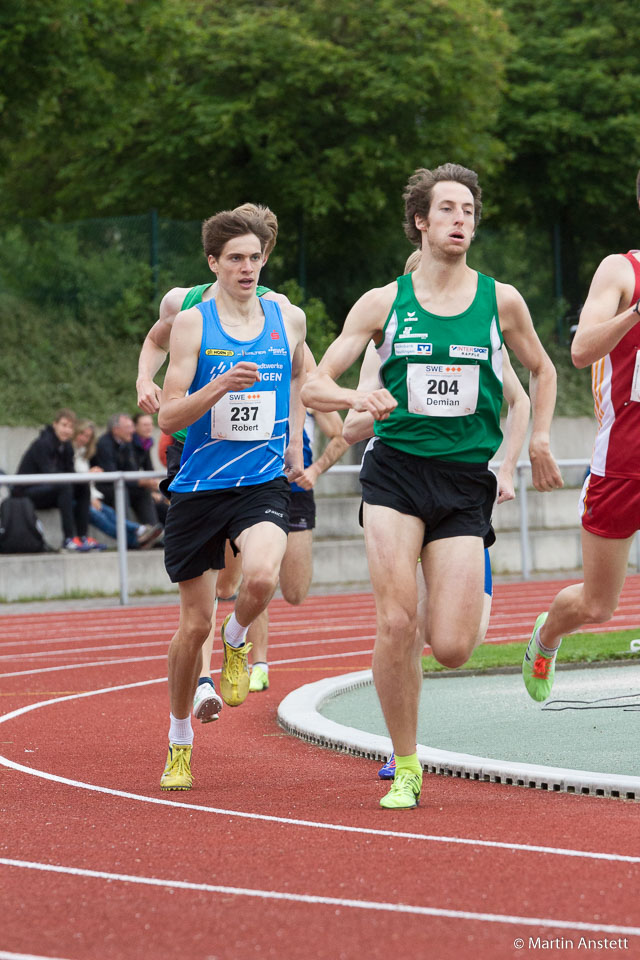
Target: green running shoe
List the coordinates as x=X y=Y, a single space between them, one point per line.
x=259 y=680
x=538 y=671
x=405 y=791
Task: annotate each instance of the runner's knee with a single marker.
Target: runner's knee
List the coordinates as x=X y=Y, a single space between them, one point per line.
x=452 y=651
x=194 y=629
x=397 y=625
x=599 y=610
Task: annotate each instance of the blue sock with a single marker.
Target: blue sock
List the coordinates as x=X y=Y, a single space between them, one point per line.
x=205 y=680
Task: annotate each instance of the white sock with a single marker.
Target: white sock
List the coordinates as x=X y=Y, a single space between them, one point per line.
x=180 y=731
x=547 y=651
x=234 y=632
x=263 y=664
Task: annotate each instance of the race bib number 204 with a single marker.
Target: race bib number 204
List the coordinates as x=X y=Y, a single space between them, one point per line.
x=249 y=415
x=442 y=389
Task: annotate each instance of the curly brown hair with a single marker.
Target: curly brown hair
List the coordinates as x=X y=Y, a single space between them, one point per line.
x=418 y=192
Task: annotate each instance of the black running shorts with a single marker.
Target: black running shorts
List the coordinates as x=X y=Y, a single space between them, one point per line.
x=199 y=523
x=453 y=499
x=302 y=511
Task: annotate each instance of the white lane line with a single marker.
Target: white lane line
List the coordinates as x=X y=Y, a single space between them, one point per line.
x=80 y=666
x=163 y=656
x=24 y=956
x=164 y=633
x=288 y=821
x=378 y=905
x=76 y=651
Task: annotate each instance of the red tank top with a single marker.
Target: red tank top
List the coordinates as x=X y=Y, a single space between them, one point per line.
x=616 y=451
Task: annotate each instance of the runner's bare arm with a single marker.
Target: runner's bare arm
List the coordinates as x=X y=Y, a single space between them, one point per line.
x=364 y=322
x=358 y=425
x=606 y=316
x=178 y=411
x=515 y=428
x=296 y=326
x=331 y=425
x=521 y=337
x=154 y=350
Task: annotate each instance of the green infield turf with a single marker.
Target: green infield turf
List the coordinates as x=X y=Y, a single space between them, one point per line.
x=577 y=648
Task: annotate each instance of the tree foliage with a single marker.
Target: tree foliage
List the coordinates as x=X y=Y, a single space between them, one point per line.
x=571 y=122
x=319 y=109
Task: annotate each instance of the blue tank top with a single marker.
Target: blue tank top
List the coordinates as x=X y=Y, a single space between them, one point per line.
x=307 y=445
x=241 y=441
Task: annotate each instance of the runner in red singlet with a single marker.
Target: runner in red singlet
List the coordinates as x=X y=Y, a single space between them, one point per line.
x=608 y=338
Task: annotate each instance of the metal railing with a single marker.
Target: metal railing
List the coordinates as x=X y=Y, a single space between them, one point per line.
x=119 y=479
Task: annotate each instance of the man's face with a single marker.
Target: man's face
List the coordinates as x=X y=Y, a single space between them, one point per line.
x=123 y=430
x=63 y=429
x=144 y=426
x=449 y=225
x=238 y=266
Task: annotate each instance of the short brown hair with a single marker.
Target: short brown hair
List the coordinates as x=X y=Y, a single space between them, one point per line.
x=417 y=195
x=267 y=216
x=65 y=414
x=229 y=224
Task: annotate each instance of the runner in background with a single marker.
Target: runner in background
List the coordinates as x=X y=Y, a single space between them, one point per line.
x=296 y=569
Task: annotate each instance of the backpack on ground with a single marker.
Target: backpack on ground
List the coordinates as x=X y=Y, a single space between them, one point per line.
x=20 y=529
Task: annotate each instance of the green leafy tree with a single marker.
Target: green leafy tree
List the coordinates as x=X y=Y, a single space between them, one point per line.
x=570 y=122
x=318 y=108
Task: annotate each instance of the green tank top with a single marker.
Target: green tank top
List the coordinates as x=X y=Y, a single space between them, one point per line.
x=446 y=374
x=193 y=297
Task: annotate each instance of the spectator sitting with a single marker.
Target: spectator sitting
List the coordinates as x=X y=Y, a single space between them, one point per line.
x=142 y=445
x=101 y=515
x=114 y=452
x=52 y=452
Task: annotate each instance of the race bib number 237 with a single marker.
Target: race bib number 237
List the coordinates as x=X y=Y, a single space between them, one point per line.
x=249 y=415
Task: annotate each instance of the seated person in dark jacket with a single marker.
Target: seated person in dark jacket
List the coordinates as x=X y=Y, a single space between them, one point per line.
x=142 y=446
x=52 y=452
x=114 y=452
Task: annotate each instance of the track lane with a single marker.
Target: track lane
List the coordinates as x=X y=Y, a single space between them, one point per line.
x=248 y=759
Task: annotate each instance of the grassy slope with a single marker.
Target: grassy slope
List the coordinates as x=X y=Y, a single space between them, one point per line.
x=578 y=648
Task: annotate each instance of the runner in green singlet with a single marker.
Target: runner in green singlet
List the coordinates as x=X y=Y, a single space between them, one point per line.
x=427 y=490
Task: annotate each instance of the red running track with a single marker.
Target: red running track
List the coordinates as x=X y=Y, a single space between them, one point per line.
x=280 y=850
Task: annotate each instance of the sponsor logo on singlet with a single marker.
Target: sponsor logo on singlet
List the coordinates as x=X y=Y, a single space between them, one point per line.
x=413 y=349
x=408 y=333
x=219 y=353
x=468 y=352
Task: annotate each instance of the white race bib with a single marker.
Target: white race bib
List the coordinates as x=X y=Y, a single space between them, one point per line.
x=635 y=383
x=244 y=416
x=442 y=389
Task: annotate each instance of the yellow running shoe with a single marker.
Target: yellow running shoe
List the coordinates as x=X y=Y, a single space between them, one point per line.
x=259 y=680
x=177 y=772
x=234 y=676
x=405 y=791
